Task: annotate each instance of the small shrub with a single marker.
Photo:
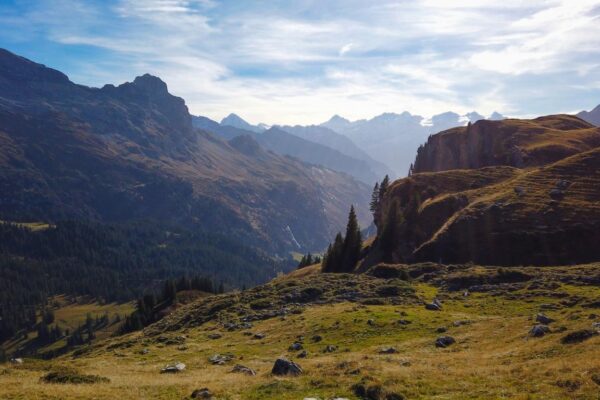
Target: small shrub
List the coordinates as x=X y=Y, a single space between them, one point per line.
x=67 y=375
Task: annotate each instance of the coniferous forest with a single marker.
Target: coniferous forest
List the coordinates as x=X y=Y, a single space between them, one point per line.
x=117 y=262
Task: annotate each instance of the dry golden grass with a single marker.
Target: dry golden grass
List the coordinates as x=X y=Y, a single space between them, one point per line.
x=493 y=358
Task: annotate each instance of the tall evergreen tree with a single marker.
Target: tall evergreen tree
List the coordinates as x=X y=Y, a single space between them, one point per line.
x=352 y=243
x=383 y=187
x=374 y=198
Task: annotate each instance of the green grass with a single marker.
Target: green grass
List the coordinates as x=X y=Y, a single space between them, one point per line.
x=493 y=358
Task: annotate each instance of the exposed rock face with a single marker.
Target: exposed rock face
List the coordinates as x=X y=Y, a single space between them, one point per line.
x=545 y=214
x=283 y=366
x=512 y=142
x=593 y=117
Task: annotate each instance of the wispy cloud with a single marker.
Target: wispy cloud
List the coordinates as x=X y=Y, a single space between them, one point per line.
x=302 y=61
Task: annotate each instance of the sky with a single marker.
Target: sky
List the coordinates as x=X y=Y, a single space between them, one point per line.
x=300 y=62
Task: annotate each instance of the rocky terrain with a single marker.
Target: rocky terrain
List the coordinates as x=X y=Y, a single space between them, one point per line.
x=506 y=192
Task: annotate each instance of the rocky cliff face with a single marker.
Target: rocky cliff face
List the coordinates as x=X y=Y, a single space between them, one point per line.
x=540 y=209
x=518 y=143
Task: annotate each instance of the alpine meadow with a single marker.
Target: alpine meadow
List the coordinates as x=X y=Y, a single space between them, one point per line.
x=296 y=200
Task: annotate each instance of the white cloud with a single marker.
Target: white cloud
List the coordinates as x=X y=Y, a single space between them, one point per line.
x=307 y=60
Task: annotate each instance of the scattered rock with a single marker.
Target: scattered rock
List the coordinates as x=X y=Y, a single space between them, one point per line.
x=243 y=370
x=202 y=394
x=173 y=368
x=259 y=336
x=543 y=319
x=295 y=347
x=441 y=329
x=303 y=354
x=444 y=341
x=17 y=361
x=404 y=322
x=569 y=385
x=371 y=322
x=317 y=338
x=144 y=351
x=283 y=366
x=433 y=306
x=388 y=350
x=519 y=190
x=330 y=348
x=539 y=330
x=214 y=336
x=461 y=323
x=578 y=336
x=220 y=359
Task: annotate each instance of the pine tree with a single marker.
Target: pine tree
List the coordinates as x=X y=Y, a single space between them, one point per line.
x=411 y=169
x=352 y=243
x=374 y=198
x=325 y=264
x=383 y=187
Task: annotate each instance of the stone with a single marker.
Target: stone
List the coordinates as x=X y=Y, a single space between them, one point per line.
x=243 y=370
x=388 y=350
x=543 y=319
x=317 y=338
x=173 y=368
x=284 y=366
x=444 y=341
x=203 y=393
x=432 y=307
x=259 y=336
x=303 y=354
x=578 y=336
x=539 y=330
x=330 y=348
x=214 y=336
x=404 y=322
x=220 y=359
x=441 y=329
x=295 y=347
x=371 y=322
x=17 y=361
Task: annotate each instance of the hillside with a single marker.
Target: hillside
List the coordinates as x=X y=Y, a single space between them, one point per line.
x=374 y=342
x=318 y=151
x=540 y=207
x=131 y=152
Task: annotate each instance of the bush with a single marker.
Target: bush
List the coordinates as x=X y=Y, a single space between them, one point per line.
x=66 y=375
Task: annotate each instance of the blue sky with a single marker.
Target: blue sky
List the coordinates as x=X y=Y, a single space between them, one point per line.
x=303 y=61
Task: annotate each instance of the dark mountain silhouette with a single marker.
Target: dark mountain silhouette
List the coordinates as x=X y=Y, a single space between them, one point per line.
x=131 y=152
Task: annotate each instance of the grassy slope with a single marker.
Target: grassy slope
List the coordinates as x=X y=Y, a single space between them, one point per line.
x=493 y=358
x=70 y=315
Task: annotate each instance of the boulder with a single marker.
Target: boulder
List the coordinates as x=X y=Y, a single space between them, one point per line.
x=214 y=336
x=203 y=393
x=295 y=346
x=539 y=330
x=330 y=348
x=388 y=350
x=284 y=366
x=444 y=341
x=173 y=368
x=303 y=354
x=578 y=336
x=220 y=359
x=432 y=307
x=543 y=319
x=17 y=361
x=259 y=336
x=317 y=338
x=243 y=370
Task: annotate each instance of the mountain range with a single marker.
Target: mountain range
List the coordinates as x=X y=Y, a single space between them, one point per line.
x=593 y=117
x=128 y=152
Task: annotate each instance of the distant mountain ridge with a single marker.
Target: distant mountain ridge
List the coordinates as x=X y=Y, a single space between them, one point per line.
x=394 y=138
x=593 y=117
x=314 y=145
